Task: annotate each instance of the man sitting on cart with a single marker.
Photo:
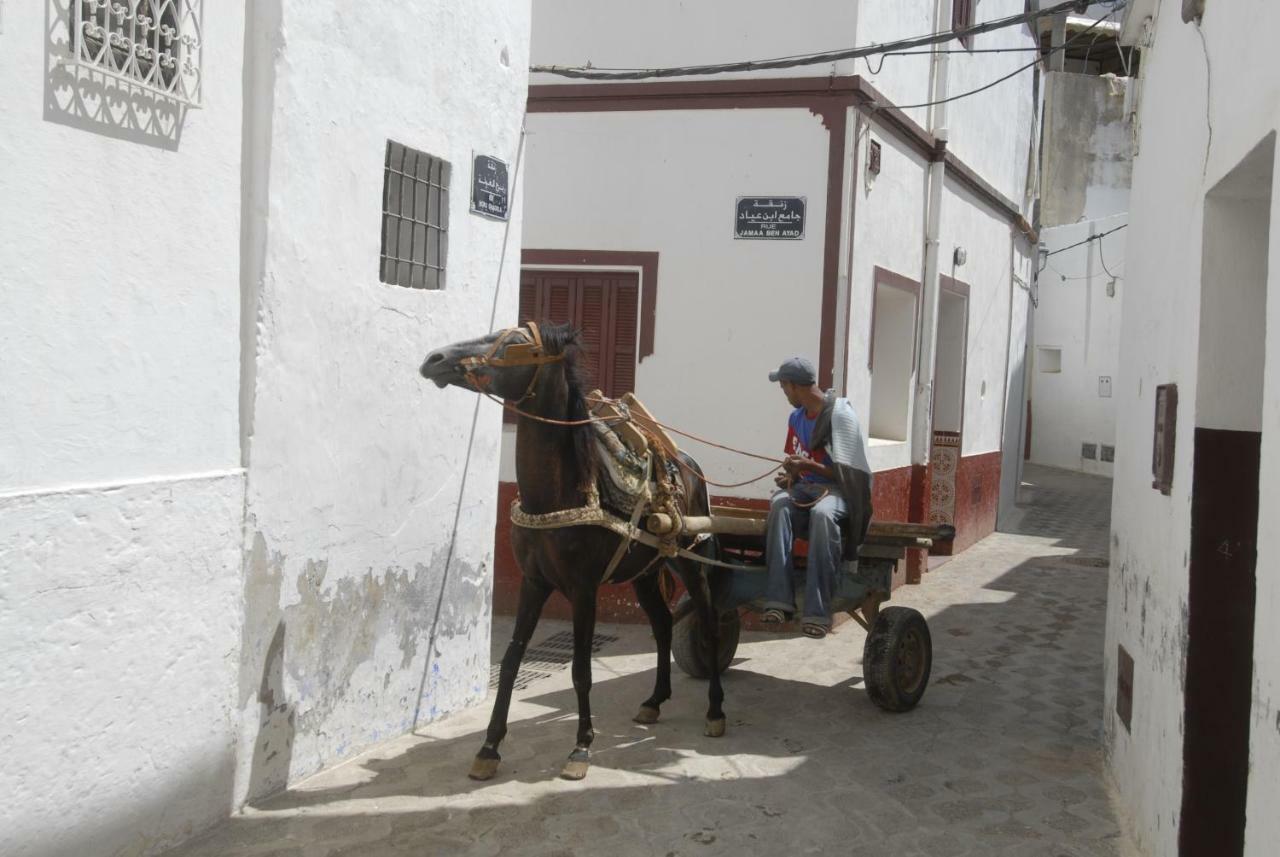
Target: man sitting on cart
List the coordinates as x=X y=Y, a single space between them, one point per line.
x=825 y=495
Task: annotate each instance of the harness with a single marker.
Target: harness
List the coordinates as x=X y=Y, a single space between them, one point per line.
x=531 y=351
x=528 y=353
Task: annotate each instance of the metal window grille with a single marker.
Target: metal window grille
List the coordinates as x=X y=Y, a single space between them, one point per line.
x=415 y=218
x=152 y=44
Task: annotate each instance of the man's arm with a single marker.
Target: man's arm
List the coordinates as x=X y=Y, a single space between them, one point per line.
x=798 y=465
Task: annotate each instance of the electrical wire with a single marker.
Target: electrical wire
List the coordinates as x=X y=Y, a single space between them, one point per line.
x=590 y=73
x=1097 y=237
x=1103 y=260
x=431 y=653
x=1012 y=74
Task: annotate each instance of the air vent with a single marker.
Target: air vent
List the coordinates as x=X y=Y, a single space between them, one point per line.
x=1108 y=453
x=1089 y=451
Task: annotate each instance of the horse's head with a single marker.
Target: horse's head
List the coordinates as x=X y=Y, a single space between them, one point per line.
x=505 y=363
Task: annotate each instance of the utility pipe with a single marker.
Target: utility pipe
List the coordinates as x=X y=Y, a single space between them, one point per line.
x=922 y=410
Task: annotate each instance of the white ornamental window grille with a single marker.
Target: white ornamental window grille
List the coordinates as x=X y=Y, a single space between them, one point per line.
x=154 y=44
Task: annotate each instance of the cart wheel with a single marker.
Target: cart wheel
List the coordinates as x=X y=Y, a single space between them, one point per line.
x=896 y=659
x=688 y=648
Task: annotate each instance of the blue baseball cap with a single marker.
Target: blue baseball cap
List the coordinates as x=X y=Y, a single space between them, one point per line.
x=797 y=370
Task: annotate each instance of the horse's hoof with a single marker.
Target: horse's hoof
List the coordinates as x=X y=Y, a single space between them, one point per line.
x=483 y=769
x=576 y=767
x=647 y=714
x=715 y=728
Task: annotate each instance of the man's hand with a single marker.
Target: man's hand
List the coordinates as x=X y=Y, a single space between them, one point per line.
x=797 y=465
x=782 y=480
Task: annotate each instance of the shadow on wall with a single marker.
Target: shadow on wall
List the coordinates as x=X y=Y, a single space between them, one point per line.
x=273 y=748
x=90 y=101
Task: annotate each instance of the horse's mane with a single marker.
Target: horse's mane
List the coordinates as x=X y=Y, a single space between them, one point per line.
x=567 y=340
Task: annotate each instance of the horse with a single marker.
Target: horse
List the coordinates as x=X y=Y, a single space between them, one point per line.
x=535 y=371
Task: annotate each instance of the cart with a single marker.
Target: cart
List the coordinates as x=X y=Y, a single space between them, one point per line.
x=898 y=652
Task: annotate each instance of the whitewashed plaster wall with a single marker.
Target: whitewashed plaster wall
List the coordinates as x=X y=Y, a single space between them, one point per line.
x=120 y=490
x=625 y=34
x=355 y=463
x=1087 y=150
x=888 y=232
x=988 y=241
x=1077 y=316
x=997 y=148
x=728 y=311
x=1177 y=162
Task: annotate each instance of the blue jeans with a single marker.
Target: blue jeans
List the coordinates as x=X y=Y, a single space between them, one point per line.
x=822 y=523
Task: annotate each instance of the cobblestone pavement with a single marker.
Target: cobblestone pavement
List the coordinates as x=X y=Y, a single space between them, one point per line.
x=1002 y=757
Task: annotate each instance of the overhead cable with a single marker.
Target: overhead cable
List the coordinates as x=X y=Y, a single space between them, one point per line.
x=587 y=72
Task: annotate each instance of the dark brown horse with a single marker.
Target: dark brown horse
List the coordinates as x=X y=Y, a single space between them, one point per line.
x=535 y=369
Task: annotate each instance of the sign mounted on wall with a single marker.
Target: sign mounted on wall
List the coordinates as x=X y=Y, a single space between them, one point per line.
x=490 y=191
x=769 y=217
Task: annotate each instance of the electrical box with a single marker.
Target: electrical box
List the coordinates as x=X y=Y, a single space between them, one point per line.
x=1104 y=386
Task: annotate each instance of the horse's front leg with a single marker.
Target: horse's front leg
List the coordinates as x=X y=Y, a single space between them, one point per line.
x=533 y=595
x=699 y=587
x=584 y=633
x=649 y=593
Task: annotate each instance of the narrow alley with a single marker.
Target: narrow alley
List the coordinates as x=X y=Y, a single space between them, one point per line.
x=1003 y=756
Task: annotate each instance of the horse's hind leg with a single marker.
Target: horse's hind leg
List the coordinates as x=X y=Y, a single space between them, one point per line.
x=700 y=593
x=533 y=595
x=584 y=632
x=649 y=592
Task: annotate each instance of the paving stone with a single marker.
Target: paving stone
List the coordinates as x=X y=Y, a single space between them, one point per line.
x=1002 y=757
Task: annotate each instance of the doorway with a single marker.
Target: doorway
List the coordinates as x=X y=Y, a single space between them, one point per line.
x=1224 y=509
x=948 y=403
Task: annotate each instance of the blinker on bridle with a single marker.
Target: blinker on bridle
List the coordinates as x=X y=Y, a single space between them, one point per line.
x=514 y=354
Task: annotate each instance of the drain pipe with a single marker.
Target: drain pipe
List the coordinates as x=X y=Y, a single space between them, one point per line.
x=922 y=410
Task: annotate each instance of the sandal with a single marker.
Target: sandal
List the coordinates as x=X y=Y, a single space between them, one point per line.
x=816 y=632
x=773 y=616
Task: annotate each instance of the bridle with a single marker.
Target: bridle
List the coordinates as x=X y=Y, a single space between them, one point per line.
x=529 y=353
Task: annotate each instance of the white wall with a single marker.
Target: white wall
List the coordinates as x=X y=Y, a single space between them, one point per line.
x=728 y=311
x=1077 y=315
x=120 y=489
x=1176 y=164
x=354 y=462
x=622 y=34
x=988 y=241
x=997 y=150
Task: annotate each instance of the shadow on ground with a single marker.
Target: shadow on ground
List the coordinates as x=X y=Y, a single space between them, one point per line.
x=1001 y=757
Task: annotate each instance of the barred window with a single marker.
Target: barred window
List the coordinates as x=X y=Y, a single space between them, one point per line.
x=154 y=44
x=415 y=218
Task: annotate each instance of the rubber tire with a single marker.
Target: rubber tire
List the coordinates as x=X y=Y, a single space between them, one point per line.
x=895 y=632
x=687 y=647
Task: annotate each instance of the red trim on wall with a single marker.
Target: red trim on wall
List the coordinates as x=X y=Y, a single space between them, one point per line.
x=646 y=262
x=977 y=498
x=835 y=116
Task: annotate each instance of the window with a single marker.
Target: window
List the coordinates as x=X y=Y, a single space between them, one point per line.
x=415 y=218
x=1049 y=359
x=154 y=44
x=962 y=17
x=893 y=354
x=603 y=305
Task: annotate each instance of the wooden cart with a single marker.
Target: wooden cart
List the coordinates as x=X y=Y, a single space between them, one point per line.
x=898 y=652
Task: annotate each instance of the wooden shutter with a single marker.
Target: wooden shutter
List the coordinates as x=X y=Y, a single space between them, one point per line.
x=603 y=306
x=592 y=320
x=625 y=316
